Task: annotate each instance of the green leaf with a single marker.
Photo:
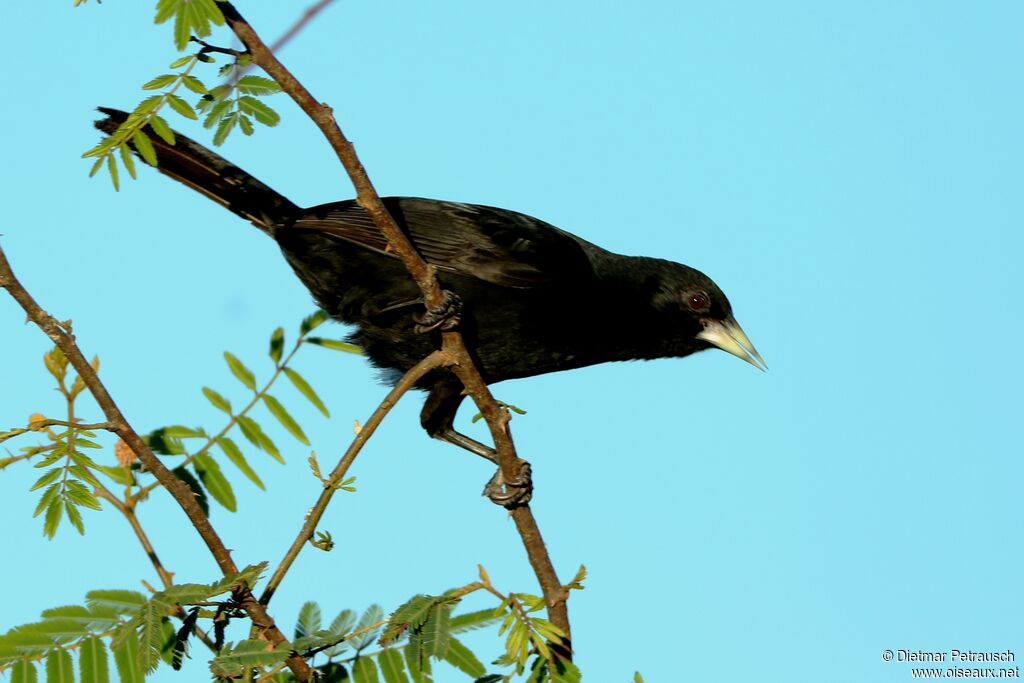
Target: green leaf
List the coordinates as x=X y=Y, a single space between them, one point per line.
x=129 y=164
x=319 y=639
x=392 y=666
x=637 y=678
x=49 y=495
x=195 y=85
x=162 y=128
x=96 y=166
x=190 y=17
x=218 y=401
x=419 y=665
x=74 y=516
x=161 y=443
x=238 y=369
x=216 y=111
x=437 y=631
x=224 y=128
x=183 y=432
x=121 y=475
x=159 y=82
x=311 y=322
x=309 y=620
x=92 y=661
x=235 y=456
x=412 y=614
x=474 y=620
x=277 y=345
x=54 y=512
x=23 y=671
x=341 y=625
x=79 y=612
x=59 y=668
x=577 y=581
x=306 y=390
x=335 y=345
x=364 y=671
x=48 y=478
x=286 y=420
x=372 y=615
x=80 y=495
x=246 y=653
x=24 y=640
x=214 y=481
x=463 y=659
x=197 y=488
x=126 y=657
x=181 y=106
x=248 y=577
x=245 y=123
x=112 y=170
x=562 y=671
x=144 y=147
x=183 y=594
x=181 y=61
x=257 y=85
x=94 y=620
x=61 y=631
x=115 y=601
x=143 y=108
x=259 y=110
x=152 y=637
x=254 y=433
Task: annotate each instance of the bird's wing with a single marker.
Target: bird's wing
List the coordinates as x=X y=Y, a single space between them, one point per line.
x=495 y=245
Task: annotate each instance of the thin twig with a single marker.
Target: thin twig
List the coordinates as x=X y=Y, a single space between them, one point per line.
x=180 y=491
x=36 y=425
x=213 y=48
x=32 y=452
x=306 y=17
x=423 y=274
x=287 y=36
x=435 y=360
x=166 y=577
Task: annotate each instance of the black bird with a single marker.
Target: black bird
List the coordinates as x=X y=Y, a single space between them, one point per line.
x=534 y=298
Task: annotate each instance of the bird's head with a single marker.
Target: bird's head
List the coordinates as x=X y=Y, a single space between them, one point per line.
x=705 y=311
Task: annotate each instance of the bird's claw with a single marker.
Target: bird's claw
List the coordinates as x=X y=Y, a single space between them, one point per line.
x=511 y=493
x=444 y=317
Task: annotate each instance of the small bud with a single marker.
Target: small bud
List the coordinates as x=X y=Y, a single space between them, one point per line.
x=125 y=456
x=33 y=422
x=356 y=427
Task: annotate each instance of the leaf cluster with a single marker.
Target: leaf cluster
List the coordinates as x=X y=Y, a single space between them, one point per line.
x=233 y=103
x=68 y=471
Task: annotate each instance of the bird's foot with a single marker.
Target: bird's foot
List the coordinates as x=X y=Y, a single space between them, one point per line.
x=511 y=493
x=444 y=317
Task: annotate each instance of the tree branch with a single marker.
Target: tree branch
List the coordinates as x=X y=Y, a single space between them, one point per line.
x=434 y=360
x=423 y=274
x=61 y=335
x=166 y=577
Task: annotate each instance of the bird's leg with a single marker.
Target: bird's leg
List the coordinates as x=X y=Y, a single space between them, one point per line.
x=445 y=316
x=437 y=419
x=508 y=493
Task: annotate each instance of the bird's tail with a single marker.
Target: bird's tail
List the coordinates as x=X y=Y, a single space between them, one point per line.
x=208 y=173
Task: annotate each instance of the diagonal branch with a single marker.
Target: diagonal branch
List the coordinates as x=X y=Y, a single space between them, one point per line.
x=61 y=335
x=431 y=362
x=423 y=274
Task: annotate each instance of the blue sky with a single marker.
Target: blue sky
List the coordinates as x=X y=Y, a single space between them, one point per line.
x=849 y=174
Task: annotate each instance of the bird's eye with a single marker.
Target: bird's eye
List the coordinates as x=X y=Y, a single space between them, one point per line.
x=698 y=301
